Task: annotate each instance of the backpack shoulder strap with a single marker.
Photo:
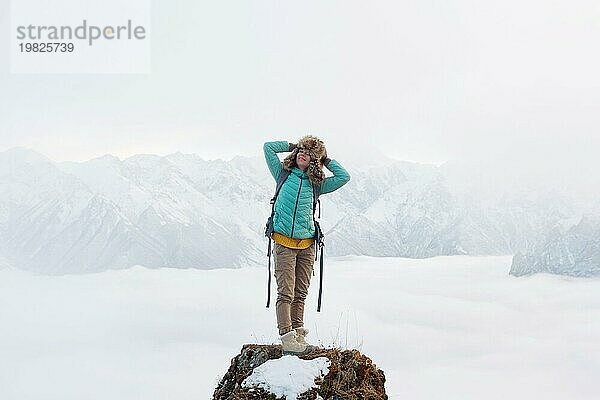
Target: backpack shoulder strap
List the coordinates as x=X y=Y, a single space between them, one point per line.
x=283 y=175
x=316 y=193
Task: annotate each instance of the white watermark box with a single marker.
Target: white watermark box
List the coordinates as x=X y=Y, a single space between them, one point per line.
x=80 y=36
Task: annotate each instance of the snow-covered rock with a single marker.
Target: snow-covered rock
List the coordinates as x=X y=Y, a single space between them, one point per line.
x=261 y=372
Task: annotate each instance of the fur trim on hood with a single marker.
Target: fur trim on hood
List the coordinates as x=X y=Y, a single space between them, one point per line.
x=317 y=153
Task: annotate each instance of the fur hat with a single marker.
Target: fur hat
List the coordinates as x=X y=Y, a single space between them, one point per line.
x=316 y=150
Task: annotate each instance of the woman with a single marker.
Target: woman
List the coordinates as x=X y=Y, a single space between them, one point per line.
x=294 y=230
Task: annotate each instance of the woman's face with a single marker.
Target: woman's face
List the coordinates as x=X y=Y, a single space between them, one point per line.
x=302 y=158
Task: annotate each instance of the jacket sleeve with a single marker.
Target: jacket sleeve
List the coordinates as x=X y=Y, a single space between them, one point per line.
x=340 y=177
x=271 y=149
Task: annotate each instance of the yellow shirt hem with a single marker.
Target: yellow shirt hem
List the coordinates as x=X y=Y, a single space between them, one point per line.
x=291 y=242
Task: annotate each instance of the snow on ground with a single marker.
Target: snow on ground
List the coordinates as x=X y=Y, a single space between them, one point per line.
x=288 y=376
x=446 y=327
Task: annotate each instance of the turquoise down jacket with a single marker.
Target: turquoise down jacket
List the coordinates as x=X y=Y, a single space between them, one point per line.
x=293 y=208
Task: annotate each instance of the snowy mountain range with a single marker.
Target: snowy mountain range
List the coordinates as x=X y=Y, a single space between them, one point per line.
x=571 y=251
x=182 y=211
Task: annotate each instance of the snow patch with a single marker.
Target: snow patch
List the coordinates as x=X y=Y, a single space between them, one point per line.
x=288 y=376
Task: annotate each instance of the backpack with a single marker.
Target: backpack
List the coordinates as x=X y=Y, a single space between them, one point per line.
x=283 y=175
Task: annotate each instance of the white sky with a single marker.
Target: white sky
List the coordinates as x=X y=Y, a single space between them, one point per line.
x=420 y=81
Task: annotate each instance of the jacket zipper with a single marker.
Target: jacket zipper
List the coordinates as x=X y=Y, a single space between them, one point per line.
x=296 y=208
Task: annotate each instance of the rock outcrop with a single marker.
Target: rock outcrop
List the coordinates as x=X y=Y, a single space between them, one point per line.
x=350 y=376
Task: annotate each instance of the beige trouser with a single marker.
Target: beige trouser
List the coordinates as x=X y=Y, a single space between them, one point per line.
x=293 y=269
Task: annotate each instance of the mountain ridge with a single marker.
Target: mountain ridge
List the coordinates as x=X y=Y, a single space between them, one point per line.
x=181 y=211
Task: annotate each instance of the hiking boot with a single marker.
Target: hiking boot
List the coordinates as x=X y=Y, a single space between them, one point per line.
x=291 y=346
x=301 y=334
